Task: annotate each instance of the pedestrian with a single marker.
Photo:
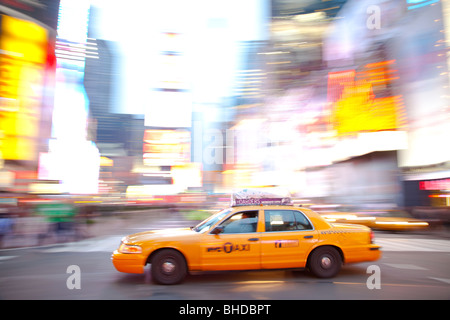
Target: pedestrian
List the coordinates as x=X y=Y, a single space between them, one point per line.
x=6 y=224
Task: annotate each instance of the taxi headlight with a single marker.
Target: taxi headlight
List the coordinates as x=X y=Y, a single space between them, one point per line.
x=127 y=248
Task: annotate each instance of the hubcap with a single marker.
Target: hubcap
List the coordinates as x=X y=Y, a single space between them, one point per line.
x=325 y=262
x=168 y=267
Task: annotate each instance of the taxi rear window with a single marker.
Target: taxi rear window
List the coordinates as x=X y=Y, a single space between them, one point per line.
x=286 y=220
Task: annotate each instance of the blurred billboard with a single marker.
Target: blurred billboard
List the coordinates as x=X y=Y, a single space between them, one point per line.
x=361 y=101
x=23 y=55
x=166 y=147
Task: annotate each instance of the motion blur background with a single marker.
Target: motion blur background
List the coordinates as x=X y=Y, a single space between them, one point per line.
x=150 y=102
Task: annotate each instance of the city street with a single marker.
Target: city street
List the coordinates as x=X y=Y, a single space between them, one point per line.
x=412 y=267
x=281 y=124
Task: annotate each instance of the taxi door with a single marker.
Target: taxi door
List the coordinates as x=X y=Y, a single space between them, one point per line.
x=236 y=247
x=287 y=239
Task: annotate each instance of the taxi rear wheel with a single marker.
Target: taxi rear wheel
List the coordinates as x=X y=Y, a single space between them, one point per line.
x=168 y=267
x=325 y=262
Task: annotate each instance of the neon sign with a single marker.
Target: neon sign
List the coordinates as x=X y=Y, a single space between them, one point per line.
x=443 y=184
x=415 y=4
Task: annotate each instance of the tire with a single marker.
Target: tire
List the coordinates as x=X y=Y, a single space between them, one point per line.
x=168 y=267
x=325 y=262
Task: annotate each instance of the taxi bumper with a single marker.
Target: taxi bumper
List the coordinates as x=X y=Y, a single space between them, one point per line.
x=368 y=253
x=128 y=263
x=374 y=252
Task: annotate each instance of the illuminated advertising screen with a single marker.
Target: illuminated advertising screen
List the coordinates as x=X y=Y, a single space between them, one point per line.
x=23 y=54
x=360 y=101
x=71 y=158
x=44 y=11
x=169 y=101
x=168 y=108
x=166 y=147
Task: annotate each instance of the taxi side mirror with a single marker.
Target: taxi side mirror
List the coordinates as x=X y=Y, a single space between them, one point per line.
x=217 y=230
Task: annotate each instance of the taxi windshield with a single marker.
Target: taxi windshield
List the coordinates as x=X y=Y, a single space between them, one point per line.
x=206 y=224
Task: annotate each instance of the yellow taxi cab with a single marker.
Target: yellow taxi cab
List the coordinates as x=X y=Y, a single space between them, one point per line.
x=252 y=234
x=388 y=220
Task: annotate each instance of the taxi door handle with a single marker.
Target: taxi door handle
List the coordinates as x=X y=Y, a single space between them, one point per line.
x=253 y=239
x=308 y=237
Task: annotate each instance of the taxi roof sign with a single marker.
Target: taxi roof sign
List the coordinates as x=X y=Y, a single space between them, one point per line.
x=251 y=197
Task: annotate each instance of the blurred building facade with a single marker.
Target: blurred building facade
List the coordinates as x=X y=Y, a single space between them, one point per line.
x=405 y=41
x=344 y=120
x=118 y=151
x=339 y=101
x=271 y=132
x=423 y=60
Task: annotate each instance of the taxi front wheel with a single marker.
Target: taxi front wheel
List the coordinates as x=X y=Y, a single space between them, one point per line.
x=325 y=262
x=168 y=267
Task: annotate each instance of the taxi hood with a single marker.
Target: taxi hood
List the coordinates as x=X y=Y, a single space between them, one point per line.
x=158 y=234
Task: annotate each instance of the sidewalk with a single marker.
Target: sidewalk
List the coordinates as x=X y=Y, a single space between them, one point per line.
x=32 y=232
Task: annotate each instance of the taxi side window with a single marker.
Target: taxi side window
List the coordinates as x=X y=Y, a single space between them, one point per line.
x=302 y=223
x=242 y=222
x=285 y=220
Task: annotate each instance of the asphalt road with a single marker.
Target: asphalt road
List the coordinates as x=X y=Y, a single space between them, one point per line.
x=412 y=267
x=36 y=275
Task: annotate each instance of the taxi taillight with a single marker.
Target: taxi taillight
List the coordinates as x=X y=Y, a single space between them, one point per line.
x=371 y=236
